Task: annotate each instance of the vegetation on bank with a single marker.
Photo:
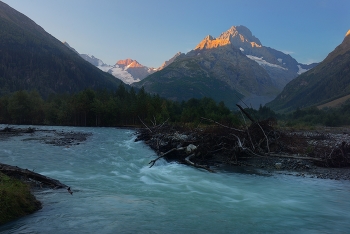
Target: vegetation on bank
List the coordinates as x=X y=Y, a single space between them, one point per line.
x=127 y=107
x=308 y=117
x=15 y=199
x=121 y=107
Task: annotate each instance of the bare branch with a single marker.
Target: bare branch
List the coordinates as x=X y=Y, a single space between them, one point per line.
x=144 y=124
x=222 y=124
x=162 y=155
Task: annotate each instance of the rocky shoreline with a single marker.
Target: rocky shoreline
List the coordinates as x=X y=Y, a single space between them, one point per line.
x=21 y=202
x=53 y=137
x=327 y=139
x=321 y=139
x=321 y=153
x=294 y=167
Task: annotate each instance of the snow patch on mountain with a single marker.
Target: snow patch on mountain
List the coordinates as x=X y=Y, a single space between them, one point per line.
x=115 y=70
x=263 y=62
x=301 y=70
x=118 y=72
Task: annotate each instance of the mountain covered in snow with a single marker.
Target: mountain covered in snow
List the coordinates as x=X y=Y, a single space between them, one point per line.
x=128 y=70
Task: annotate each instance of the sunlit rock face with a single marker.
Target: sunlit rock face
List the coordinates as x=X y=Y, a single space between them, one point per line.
x=129 y=63
x=135 y=69
x=210 y=43
x=240 y=35
x=347 y=34
x=281 y=67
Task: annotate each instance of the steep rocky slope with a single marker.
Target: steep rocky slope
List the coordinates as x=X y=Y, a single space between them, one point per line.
x=31 y=59
x=327 y=81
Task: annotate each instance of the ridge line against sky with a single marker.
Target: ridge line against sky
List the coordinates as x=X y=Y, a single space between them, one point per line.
x=152 y=31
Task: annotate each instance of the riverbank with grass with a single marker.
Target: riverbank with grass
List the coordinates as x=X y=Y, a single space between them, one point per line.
x=16 y=199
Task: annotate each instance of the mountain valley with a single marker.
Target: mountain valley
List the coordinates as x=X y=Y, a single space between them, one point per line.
x=328 y=81
x=233 y=68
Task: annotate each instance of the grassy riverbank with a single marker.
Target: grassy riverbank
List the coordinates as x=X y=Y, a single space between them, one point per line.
x=16 y=199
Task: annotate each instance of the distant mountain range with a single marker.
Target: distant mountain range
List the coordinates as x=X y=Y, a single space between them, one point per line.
x=236 y=44
x=328 y=81
x=32 y=59
x=231 y=67
x=128 y=70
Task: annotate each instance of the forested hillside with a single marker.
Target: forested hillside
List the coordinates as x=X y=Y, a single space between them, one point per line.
x=30 y=58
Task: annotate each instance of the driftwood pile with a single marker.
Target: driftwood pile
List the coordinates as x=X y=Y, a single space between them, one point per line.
x=214 y=143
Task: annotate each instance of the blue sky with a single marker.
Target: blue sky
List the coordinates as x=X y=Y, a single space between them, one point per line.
x=152 y=31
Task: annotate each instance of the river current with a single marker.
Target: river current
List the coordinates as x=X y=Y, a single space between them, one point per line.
x=115 y=191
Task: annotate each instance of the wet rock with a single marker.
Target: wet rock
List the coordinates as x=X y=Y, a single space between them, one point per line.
x=278 y=165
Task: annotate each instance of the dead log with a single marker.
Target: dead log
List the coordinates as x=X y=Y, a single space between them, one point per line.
x=188 y=161
x=27 y=175
x=210 y=120
x=296 y=157
x=253 y=121
x=163 y=155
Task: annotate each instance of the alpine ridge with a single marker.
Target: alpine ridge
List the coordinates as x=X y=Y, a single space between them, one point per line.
x=328 y=81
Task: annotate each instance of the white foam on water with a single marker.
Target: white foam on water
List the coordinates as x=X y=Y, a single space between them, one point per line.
x=115 y=191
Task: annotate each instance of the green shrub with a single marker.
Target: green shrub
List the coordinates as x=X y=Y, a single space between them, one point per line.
x=16 y=199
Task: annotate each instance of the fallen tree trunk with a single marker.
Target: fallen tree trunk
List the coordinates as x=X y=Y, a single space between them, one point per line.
x=27 y=175
x=188 y=161
x=296 y=157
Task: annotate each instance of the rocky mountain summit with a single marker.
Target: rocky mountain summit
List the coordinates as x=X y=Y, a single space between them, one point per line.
x=281 y=67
